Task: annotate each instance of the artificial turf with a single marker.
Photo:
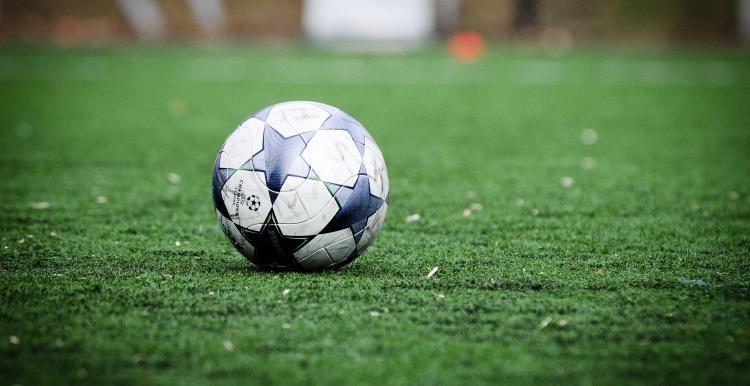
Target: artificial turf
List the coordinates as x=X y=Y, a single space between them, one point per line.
x=620 y=261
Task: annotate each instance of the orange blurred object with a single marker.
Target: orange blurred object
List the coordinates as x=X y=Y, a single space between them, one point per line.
x=466 y=46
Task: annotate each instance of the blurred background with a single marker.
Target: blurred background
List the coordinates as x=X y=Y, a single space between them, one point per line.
x=591 y=163
x=375 y=24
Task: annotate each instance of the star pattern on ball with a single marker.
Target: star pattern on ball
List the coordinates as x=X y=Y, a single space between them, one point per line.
x=280 y=158
x=270 y=242
x=351 y=126
x=357 y=205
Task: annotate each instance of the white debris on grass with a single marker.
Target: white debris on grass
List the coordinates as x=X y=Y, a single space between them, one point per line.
x=589 y=136
x=177 y=243
x=286 y=326
x=412 y=217
x=432 y=272
x=286 y=291
x=174 y=178
x=567 y=182
x=588 y=163
x=520 y=201
x=101 y=199
x=40 y=205
x=14 y=340
x=535 y=212
x=211 y=293
x=475 y=206
x=53 y=234
x=374 y=313
x=546 y=322
x=228 y=345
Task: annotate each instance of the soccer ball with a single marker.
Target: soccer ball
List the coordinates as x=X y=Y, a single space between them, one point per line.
x=300 y=185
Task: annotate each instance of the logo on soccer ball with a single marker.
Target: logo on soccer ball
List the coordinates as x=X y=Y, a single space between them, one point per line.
x=253 y=203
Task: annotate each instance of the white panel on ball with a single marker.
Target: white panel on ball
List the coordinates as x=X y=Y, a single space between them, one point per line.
x=371 y=229
x=316 y=201
x=317 y=260
x=234 y=235
x=333 y=156
x=321 y=241
x=255 y=126
x=242 y=144
x=375 y=168
x=313 y=225
x=293 y=118
x=340 y=250
x=288 y=208
x=237 y=191
x=312 y=195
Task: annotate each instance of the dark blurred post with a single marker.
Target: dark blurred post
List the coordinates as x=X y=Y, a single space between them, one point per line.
x=447 y=13
x=743 y=14
x=525 y=15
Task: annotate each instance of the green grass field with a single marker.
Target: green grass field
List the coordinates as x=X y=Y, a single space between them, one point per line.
x=637 y=273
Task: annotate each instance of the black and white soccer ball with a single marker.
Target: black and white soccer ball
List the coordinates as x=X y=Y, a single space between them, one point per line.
x=300 y=185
